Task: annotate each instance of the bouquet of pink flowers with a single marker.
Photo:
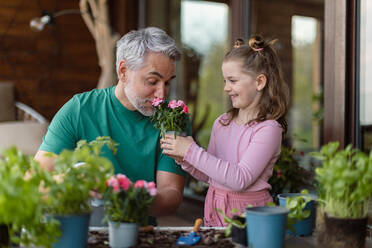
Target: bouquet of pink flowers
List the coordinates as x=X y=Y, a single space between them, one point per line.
x=170 y=117
x=128 y=202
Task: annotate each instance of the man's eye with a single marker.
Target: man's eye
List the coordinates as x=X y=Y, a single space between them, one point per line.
x=152 y=82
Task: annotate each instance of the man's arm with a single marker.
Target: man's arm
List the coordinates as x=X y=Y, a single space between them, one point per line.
x=170 y=192
x=46 y=162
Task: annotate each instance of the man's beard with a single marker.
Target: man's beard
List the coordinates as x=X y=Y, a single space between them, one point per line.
x=138 y=103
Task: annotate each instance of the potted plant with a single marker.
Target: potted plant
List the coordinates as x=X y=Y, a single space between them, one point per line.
x=170 y=117
x=301 y=216
x=68 y=198
x=271 y=219
x=236 y=226
x=288 y=175
x=22 y=218
x=126 y=208
x=345 y=189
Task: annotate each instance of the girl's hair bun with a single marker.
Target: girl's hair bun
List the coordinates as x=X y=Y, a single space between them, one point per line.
x=256 y=42
x=239 y=42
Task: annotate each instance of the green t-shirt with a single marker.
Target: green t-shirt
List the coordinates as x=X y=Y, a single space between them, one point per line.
x=99 y=113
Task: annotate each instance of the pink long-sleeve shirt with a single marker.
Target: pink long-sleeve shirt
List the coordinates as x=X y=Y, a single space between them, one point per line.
x=239 y=157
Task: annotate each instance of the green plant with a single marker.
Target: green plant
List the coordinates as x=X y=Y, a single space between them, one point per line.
x=344 y=181
x=71 y=191
x=296 y=206
x=288 y=175
x=231 y=222
x=128 y=202
x=21 y=207
x=170 y=117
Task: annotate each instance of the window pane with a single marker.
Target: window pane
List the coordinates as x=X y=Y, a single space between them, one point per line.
x=366 y=74
x=306 y=112
x=204 y=48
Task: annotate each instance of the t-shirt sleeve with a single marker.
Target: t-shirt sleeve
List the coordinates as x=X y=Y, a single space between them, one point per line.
x=168 y=164
x=62 y=131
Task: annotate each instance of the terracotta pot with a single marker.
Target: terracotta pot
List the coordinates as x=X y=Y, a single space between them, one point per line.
x=345 y=233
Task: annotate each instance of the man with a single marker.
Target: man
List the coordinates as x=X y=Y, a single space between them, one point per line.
x=145 y=62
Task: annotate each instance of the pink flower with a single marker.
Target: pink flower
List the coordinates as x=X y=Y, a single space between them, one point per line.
x=114 y=183
x=151 y=188
x=157 y=101
x=152 y=192
x=185 y=109
x=173 y=104
x=278 y=173
x=123 y=181
x=180 y=103
x=140 y=184
x=151 y=185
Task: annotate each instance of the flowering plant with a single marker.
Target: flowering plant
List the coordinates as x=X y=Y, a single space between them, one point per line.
x=288 y=175
x=128 y=202
x=170 y=117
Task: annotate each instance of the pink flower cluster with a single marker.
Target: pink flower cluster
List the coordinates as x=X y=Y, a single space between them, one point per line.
x=175 y=104
x=172 y=104
x=157 y=101
x=120 y=181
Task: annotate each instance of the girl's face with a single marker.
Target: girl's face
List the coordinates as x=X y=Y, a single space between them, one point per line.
x=242 y=88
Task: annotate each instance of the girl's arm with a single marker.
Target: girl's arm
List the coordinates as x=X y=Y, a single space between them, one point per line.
x=189 y=167
x=194 y=172
x=263 y=148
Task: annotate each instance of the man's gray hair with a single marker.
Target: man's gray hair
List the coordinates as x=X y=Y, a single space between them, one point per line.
x=133 y=46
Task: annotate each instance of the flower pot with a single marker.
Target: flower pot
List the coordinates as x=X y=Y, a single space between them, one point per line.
x=4 y=236
x=320 y=226
x=239 y=235
x=266 y=226
x=345 y=233
x=303 y=227
x=177 y=133
x=122 y=234
x=74 y=229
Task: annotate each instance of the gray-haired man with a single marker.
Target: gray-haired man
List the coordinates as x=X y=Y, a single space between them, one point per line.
x=145 y=61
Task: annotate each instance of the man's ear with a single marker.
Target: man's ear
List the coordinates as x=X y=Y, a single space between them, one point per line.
x=261 y=81
x=122 y=71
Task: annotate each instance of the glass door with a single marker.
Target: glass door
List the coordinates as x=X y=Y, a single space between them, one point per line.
x=365 y=75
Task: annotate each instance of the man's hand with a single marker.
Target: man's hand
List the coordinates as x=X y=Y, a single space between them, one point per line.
x=46 y=162
x=169 y=195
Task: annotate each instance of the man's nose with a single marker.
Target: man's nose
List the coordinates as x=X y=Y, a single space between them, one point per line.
x=160 y=91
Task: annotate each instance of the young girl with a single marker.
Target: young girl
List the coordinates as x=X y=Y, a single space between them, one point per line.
x=245 y=142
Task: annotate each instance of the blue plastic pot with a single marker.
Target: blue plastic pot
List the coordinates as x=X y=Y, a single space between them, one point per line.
x=266 y=226
x=74 y=230
x=303 y=227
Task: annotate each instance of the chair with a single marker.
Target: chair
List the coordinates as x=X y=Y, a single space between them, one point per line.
x=20 y=125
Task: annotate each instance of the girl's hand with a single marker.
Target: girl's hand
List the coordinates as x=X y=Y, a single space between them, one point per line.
x=175 y=147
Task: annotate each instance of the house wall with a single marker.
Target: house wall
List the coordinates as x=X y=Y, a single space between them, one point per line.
x=49 y=67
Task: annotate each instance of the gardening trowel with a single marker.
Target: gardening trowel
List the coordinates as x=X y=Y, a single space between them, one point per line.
x=191 y=238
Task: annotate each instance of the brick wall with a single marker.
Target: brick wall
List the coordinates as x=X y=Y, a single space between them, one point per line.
x=49 y=67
